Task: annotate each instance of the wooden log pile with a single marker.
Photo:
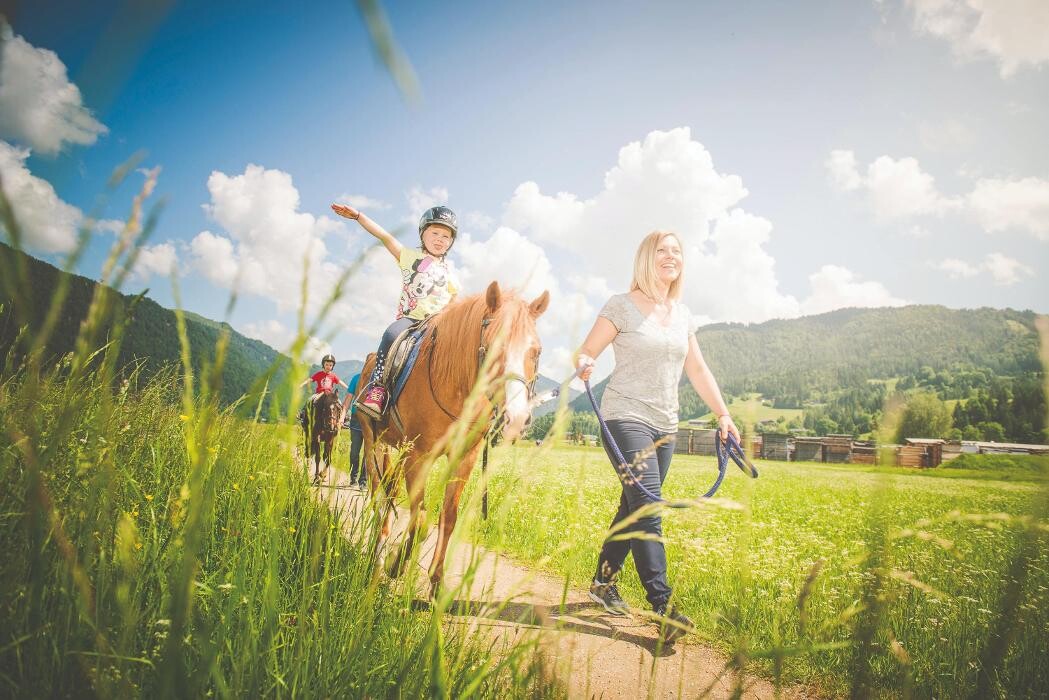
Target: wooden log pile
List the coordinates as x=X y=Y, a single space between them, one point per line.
x=808 y=449
x=837 y=449
x=691 y=441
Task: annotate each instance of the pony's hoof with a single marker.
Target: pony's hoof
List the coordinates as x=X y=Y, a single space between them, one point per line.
x=435 y=590
x=395 y=567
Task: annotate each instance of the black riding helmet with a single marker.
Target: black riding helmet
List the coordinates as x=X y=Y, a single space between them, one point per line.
x=442 y=216
x=328 y=358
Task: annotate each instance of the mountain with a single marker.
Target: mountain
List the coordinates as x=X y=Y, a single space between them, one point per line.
x=544 y=384
x=151 y=336
x=805 y=360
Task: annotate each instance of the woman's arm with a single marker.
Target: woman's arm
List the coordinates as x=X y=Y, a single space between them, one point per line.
x=391 y=243
x=603 y=333
x=706 y=386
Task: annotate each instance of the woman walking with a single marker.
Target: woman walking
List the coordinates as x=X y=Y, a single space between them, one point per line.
x=653 y=337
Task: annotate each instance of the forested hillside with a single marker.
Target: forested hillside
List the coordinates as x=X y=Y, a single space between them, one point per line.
x=841 y=366
x=151 y=337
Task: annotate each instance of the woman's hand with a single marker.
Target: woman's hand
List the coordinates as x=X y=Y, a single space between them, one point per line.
x=346 y=211
x=584 y=367
x=726 y=426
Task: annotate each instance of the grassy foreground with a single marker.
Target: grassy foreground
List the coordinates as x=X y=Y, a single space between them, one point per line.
x=869 y=580
x=150 y=552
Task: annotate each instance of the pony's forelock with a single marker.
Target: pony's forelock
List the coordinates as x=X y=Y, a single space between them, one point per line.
x=462 y=319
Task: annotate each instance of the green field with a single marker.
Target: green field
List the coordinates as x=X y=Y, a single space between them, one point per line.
x=914 y=574
x=747 y=412
x=154 y=547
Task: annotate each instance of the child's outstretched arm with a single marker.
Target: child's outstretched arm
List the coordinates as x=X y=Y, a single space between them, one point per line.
x=391 y=243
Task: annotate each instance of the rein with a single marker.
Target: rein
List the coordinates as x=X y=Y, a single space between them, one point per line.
x=496 y=418
x=730 y=449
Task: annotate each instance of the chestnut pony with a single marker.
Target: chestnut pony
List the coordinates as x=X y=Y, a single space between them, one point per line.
x=493 y=333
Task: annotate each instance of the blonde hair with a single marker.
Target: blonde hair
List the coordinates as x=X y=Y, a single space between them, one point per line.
x=645 y=275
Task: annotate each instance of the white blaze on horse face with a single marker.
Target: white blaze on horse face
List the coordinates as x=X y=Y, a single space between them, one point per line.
x=516 y=404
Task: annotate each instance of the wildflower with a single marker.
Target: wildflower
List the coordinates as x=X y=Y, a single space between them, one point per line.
x=291 y=530
x=138 y=546
x=149 y=497
x=183 y=417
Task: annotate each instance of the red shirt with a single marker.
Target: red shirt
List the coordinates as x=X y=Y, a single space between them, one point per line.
x=326 y=381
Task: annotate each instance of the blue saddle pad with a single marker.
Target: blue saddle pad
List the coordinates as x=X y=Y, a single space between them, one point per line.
x=415 y=337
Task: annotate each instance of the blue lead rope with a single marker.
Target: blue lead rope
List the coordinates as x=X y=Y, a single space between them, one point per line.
x=730 y=449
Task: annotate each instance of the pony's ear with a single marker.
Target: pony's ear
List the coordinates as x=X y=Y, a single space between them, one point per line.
x=493 y=297
x=540 y=304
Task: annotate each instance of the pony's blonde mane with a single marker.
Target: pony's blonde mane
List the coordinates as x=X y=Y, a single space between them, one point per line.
x=458 y=329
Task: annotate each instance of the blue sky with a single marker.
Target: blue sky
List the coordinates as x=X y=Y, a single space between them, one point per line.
x=811 y=155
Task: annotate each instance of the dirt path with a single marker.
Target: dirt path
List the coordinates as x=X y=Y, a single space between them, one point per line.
x=595 y=654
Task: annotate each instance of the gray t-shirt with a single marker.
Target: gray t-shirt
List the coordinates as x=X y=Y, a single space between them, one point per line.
x=649 y=360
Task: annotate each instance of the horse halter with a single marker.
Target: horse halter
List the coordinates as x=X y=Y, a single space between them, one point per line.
x=482 y=352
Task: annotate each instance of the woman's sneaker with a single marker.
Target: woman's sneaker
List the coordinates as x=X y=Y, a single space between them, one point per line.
x=608 y=595
x=374 y=401
x=673 y=625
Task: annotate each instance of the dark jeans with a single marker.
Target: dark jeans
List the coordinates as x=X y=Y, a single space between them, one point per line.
x=358 y=473
x=394 y=330
x=650 y=557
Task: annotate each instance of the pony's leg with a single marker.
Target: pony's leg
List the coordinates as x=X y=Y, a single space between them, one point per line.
x=449 y=513
x=416 y=485
x=327 y=458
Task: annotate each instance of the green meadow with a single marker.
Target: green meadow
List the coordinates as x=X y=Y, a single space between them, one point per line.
x=900 y=582
x=158 y=548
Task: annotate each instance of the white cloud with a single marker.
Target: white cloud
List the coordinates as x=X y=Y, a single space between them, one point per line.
x=214 y=257
x=1006 y=271
x=269 y=241
x=917 y=231
x=956 y=269
x=361 y=201
x=280 y=337
x=160 y=259
x=835 y=287
x=47 y=223
x=666 y=182
x=896 y=188
x=843 y=170
x=948 y=135
x=476 y=221
x=111 y=226
x=39 y=106
x=1012 y=204
x=1012 y=32
x=519 y=264
x=508 y=257
x=737 y=281
x=419 y=200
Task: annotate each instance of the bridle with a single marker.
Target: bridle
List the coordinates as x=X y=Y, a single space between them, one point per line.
x=327 y=426
x=482 y=354
x=497 y=417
